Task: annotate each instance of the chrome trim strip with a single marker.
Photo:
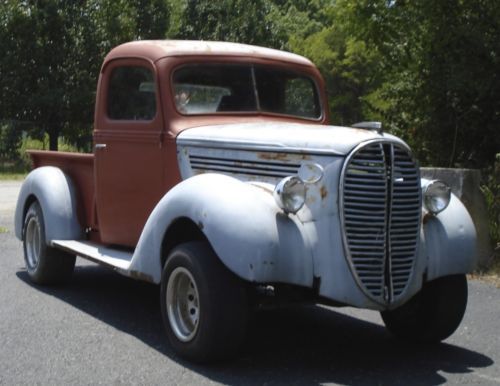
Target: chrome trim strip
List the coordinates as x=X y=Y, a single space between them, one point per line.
x=204 y=143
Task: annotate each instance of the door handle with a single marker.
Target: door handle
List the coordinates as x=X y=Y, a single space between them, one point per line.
x=99 y=146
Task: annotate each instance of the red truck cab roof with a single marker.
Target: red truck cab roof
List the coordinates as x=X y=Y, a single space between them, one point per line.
x=168 y=55
x=154 y=50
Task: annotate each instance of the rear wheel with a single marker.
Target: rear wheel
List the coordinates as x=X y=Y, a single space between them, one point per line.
x=45 y=265
x=433 y=314
x=204 y=305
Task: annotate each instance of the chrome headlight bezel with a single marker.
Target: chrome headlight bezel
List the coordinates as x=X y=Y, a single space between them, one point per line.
x=290 y=194
x=436 y=196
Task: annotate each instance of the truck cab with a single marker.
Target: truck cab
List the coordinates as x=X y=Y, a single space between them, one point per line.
x=217 y=175
x=148 y=93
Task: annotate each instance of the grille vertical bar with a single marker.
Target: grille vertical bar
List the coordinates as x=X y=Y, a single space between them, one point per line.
x=380 y=200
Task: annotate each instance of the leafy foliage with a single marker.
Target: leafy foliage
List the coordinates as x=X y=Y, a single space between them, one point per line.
x=348 y=68
x=439 y=62
x=10 y=139
x=229 y=20
x=54 y=49
x=491 y=191
x=428 y=70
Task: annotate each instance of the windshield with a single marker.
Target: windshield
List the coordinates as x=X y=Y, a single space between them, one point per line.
x=211 y=89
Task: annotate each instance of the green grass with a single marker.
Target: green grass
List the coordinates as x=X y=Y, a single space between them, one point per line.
x=18 y=169
x=12 y=171
x=12 y=176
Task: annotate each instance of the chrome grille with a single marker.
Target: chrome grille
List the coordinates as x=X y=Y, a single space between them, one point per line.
x=201 y=164
x=380 y=199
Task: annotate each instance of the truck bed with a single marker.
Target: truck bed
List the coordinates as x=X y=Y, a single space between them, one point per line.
x=80 y=168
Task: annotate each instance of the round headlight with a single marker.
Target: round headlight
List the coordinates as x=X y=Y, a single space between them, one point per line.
x=437 y=196
x=290 y=194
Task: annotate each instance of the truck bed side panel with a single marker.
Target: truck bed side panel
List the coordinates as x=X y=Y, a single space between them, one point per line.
x=80 y=168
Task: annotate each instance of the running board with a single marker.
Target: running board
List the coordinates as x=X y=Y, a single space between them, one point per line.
x=119 y=260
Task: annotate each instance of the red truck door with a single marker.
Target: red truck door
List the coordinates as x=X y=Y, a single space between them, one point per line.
x=128 y=153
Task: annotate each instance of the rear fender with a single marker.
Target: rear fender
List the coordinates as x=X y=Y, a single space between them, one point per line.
x=247 y=231
x=56 y=194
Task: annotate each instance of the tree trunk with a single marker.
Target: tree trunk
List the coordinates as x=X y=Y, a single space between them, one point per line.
x=53 y=139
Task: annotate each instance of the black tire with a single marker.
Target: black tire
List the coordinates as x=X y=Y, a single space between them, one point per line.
x=45 y=265
x=204 y=306
x=433 y=314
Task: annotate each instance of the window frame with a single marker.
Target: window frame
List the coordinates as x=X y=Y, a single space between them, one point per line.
x=108 y=93
x=103 y=123
x=252 y=66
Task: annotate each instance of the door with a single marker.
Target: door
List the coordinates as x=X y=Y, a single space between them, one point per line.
x=128 y=150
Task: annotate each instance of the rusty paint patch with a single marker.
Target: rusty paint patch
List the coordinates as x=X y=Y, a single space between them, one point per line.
x=323 y=192
x=310 y=200
x=272 y=156
x=284 y=157
x=427 y=217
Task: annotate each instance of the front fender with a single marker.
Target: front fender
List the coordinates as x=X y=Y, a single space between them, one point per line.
x=249 y=233
x=56 y=194
x=450 y=241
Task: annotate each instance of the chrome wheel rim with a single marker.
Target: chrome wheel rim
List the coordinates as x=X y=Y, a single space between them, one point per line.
x=33 y=242
x=183 y=304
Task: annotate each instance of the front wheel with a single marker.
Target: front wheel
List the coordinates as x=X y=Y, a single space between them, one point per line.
x=45 y=265
x=433 y=314
x=204 y=305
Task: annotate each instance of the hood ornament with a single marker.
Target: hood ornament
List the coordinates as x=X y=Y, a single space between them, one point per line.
x=376 y=126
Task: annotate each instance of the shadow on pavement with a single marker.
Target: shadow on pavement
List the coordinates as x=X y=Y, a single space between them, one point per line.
x=299 y=345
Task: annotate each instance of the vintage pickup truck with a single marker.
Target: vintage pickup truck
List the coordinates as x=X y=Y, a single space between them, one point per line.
x=216 y=175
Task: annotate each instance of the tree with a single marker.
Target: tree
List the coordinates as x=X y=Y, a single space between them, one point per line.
x=440 y=64
x=349 y=69
x=54 y=49
x=239 y=21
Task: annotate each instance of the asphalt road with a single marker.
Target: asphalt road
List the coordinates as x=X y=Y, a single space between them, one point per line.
x=102 y=328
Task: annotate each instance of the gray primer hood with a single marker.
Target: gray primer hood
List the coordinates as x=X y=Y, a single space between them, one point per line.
x=281 y=137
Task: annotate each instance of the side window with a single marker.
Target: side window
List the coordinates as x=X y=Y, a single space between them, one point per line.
x=131 y=94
